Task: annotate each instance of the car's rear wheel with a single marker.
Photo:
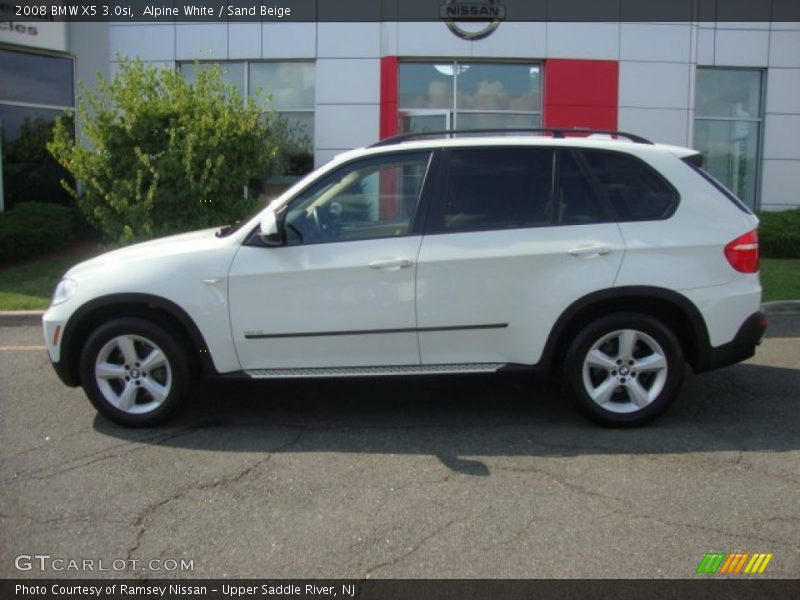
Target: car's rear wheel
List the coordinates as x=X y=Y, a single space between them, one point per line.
x=134 y=372
x=624 y=369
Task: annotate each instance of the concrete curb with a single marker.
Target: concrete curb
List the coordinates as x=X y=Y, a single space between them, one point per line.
x=782 y=308
x=34 y=317
x=20 y=317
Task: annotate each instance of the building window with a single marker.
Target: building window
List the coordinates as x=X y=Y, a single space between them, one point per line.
x=469 y=95
x=36 y=89
x=290 y=85
x=727 y=127
x=288 y=88
x=232 y=73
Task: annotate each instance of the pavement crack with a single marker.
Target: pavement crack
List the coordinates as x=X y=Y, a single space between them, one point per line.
x=77 y=518
x=103 y=455
x=516 y=536
x=698 y=526
x=141 y=522
x=413 y=549
x=11 y=457
x=564 y=483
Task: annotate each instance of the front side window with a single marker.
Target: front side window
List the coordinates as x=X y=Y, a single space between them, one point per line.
x=368 y=199
x=728 y=125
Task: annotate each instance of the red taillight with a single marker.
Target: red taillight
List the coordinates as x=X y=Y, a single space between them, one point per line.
x=742 y=252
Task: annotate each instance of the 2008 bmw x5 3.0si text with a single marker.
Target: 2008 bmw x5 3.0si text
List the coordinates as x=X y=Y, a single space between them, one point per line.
x=605 y=259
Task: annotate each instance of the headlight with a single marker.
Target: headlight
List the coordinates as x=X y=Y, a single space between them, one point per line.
x=64 y=291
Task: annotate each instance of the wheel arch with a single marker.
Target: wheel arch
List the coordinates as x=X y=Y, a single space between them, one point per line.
x=673 y=309
x=156 y=309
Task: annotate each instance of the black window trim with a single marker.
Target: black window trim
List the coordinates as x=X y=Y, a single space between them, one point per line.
x=609 y=215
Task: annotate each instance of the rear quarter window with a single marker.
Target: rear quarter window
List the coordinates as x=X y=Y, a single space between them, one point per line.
x=697 y=166
x=635 y=190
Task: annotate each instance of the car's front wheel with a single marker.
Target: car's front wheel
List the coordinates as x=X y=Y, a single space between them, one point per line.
x=624 y=369
x=134 y=372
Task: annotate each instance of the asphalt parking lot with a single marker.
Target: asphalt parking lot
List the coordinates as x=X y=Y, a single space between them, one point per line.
x=453 y=477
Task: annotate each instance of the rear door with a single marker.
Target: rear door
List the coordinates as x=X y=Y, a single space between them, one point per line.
x=516 y=234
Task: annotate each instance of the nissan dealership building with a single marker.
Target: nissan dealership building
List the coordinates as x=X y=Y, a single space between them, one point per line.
x=729 y=89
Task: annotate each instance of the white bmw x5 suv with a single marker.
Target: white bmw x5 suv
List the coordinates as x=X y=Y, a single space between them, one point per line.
x=605 y=259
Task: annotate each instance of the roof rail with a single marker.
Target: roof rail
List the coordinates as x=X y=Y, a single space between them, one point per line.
x=555 y=132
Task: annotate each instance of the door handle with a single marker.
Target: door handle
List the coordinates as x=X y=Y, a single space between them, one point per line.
x=391 y=263
x=590 y=250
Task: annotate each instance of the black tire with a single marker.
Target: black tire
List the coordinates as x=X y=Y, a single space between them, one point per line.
x=625 y=397
x=169 y=380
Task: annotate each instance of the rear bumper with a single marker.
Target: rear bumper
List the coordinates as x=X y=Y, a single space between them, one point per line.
x=740 y=348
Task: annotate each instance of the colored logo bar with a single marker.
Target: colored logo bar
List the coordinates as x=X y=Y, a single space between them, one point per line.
x=734 y=563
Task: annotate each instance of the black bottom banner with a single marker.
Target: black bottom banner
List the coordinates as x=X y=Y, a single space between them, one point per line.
x=399 y=589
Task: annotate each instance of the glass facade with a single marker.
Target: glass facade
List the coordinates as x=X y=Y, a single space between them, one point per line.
x=727 y=127
x=288 y=87
x=232 y=73
x=469 y=95
x=35 y=90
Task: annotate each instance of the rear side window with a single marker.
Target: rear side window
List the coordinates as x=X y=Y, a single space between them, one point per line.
x=513 y=188
x=634 y=189
x=498 y=188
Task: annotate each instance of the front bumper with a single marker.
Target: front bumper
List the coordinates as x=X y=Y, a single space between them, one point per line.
x=740 y=348
x=53 y=325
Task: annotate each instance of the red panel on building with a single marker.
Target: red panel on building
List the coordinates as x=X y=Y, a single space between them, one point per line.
x=389 y=96
x=388 y=128
x=581 y=93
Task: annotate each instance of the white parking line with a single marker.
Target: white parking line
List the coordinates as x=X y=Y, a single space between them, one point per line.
x=23 y=348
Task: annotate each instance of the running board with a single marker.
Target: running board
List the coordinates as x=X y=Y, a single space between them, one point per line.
x=374 y=371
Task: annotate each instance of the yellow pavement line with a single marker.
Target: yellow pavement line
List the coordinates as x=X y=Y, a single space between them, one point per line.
x=23 y=348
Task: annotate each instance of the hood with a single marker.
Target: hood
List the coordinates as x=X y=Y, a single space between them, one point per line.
x=160 y=248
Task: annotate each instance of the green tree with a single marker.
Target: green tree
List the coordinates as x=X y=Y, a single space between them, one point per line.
x=156 y=154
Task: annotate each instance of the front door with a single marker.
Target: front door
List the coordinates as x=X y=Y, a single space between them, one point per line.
x=340 y=291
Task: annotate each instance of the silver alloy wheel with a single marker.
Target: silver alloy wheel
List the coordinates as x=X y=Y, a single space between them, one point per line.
x=625 y=371
x=133 y=374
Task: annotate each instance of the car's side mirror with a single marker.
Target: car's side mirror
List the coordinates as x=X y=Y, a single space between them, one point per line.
x=269 y=231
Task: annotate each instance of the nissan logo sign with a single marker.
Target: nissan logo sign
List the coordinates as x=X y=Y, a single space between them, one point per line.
x=490 y=12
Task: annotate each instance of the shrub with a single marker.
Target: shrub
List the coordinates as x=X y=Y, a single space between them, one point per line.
x=156 y=154
x=779 y=234
x=32 y=228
